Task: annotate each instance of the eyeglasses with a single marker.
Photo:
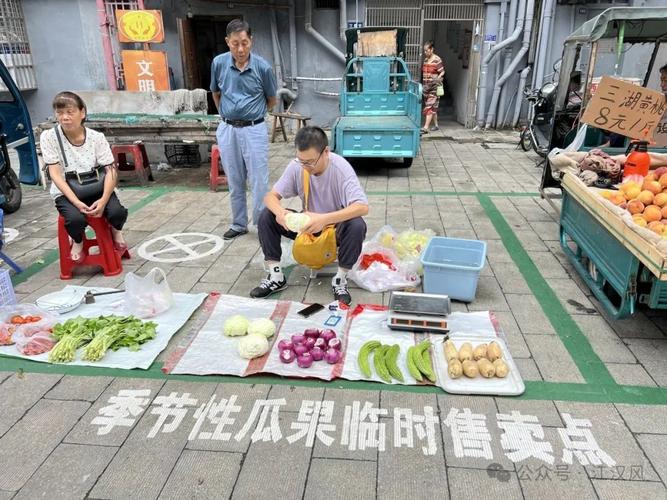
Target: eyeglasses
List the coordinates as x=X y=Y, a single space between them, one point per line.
x=308 y=164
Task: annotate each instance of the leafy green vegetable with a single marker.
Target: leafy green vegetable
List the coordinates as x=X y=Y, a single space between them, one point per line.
x=99 y=335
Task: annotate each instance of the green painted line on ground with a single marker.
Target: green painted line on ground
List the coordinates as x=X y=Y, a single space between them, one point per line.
x=535 y=390
x=587 y=361
x=52 y=255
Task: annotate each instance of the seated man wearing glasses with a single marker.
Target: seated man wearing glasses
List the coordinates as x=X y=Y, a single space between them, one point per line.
x=335 y=197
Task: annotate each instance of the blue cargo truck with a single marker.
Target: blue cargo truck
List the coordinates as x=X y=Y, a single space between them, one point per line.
x=380 y=104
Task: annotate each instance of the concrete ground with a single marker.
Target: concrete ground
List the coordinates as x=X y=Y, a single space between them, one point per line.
x=591 y=423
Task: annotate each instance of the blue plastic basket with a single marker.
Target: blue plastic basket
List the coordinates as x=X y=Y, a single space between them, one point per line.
x=452 y=267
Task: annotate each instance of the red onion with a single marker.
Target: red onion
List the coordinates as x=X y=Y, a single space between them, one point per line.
x=332 y=356
x=309 y=343
x=285 y=345
x=317 y=353
x=321 y=343
x=328 y=334
x=335 y=344
x=311 y=333
x=304 y=360
x=298 y=339
x=287 y=356
x=299 y=349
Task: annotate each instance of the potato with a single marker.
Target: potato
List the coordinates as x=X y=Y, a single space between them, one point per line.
x=465 y=353
x=493 y=352
x=486 y=368
x=479 y=352
x=454 y=368
x=450 y=351
x=501 y=368
x=470 y=368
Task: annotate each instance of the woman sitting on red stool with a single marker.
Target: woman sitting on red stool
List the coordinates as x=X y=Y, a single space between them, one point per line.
x=81 y=167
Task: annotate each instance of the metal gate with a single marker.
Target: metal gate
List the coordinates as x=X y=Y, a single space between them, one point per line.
x=412 y=14
x=14 y=45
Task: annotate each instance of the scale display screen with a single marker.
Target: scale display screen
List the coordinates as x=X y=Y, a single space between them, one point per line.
x=420 y=303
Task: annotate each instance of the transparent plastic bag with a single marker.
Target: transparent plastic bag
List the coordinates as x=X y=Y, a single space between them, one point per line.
x=32 y=319
x=147 y=296
x=379 y=269
x=33 y=342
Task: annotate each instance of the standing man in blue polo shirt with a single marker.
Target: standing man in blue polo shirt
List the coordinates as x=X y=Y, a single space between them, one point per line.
x=243 y=87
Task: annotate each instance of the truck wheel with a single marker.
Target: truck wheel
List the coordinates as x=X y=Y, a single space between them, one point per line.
x=11 y=189
x=407 y=162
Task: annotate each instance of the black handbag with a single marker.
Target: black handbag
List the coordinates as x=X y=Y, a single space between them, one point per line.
x=85 y=185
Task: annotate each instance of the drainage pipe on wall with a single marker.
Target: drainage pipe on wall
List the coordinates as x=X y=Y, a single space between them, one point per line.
x=318 y=36
x=483 y=76
x=343 y=18
x=106 y=45
x=491 y=115
x=292 y=45
x=506 y=56
x=501 y=36
x=519 y=95
x=543 y=43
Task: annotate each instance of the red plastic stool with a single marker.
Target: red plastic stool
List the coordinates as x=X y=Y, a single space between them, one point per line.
x=108 y=257
x=216 y=179
x=139 y=165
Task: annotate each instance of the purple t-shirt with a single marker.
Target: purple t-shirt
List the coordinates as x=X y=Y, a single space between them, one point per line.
x=337 y=188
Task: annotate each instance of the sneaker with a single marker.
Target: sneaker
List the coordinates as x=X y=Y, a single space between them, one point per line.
x=268 y=287
x=423 y=131
x=233 y=233
x=434 y=128
x=340 y=291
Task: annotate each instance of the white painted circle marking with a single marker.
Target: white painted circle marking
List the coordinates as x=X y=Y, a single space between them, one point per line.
x=183 y=244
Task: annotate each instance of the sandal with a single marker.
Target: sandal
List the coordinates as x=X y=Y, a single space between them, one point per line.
x=77 y=258
x=121 y=248
x=423 y=131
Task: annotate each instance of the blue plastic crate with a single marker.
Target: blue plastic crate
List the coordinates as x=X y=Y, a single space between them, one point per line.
x=452 y=267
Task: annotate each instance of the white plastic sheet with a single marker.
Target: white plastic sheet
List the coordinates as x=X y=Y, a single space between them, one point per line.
x=169 y=322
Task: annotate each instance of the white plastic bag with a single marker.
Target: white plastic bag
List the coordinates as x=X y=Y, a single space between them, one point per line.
x=385 y=273
x=147 y=296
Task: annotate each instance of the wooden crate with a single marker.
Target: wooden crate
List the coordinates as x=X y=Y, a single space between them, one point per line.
x=647 y=253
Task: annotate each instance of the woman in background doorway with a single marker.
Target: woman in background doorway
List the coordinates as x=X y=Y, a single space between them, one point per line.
x=433 y=73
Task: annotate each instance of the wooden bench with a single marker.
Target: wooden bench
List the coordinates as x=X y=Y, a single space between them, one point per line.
x=301 y=121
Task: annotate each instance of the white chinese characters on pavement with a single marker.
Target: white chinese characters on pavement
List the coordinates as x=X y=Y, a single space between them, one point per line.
x=269 y=409
x=406 y=424
x=362 y=428
x=518 y=438
x=128 y=403
x=314 y=421
x=469 y=433
x=173 y=406
x=579 y=442
x=218 y=414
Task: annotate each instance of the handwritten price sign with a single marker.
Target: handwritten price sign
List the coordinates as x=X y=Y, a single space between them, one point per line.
x=625 y=109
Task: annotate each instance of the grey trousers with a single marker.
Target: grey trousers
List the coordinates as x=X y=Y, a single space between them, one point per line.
x=350 y=236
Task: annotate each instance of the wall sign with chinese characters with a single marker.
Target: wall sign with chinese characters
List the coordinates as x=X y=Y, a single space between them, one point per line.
x=625 y=109
x=142 y=26
x=145 y=70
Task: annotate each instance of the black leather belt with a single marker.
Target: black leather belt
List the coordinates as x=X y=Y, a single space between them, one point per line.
x=242 y=123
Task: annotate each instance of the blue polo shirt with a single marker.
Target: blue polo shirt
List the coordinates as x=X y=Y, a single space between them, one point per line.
x=243 y=94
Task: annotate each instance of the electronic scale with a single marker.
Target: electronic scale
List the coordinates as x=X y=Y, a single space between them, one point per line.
x=418 y=312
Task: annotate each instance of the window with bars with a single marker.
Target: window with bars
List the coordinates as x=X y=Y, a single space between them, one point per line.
x=14 y=45
x=111 y=7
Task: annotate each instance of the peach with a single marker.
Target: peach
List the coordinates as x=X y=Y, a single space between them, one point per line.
x=656 y=226
x=639 y=220
x=651 y=177
x=617 y=198
x=653 y=186
x=631 y=192
x=646 y=197
x=663 y=180
x=635 y=207
x=606 y=194
x=660 y=199
x=652 y=213
x=664 y=212
x=659 y=172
